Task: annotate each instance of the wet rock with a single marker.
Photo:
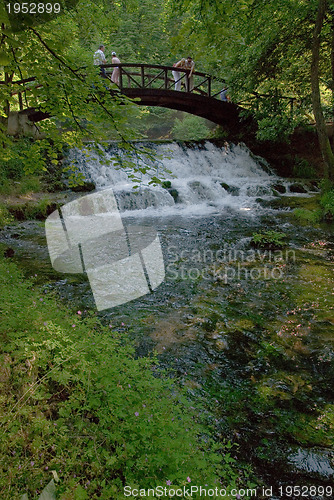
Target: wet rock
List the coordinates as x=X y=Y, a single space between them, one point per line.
x=174 y=193
x=314 y=185
x=315 y=461
x=297 y=188
x=233 y=190
x=84 y=188
x=279 y=187
x=9 y=252
x=222 y=344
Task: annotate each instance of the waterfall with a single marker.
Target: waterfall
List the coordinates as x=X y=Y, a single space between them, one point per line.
x=198 y=178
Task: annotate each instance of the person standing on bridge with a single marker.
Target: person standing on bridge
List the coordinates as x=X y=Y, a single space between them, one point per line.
x=177 y=75
x=99 y=59
x=223 y=95
x=116 y=71
x=190 y=64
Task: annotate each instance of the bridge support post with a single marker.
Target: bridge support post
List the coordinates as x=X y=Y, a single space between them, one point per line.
x=121 y=77
x=18 y=124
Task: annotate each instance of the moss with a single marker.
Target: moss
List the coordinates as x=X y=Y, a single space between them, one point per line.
x=33 y=210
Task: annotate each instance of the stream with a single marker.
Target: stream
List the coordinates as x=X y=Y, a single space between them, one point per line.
x=249 y=332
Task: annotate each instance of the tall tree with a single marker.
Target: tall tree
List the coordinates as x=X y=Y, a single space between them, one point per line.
x=268 y=48
x=58 y=54
x=324 y=142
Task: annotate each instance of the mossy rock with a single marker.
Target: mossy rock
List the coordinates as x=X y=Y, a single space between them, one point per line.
x=28 y=211
x=86 y=187
x=233 y=190
x=280 y=188
x=297 y=188
x=243 y=324
x=175 y=194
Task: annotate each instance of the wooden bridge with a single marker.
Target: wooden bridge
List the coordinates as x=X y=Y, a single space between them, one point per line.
x=154 y=85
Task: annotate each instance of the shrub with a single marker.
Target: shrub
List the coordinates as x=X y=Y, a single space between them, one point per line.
x=313 y=216
x=191 y=128
x=303 y=169
x=269 y=240
x=5 y=217
x=327 y=203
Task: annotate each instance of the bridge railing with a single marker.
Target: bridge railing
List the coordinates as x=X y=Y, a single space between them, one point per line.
x=153 y=76
x=20 y=89
x=143 y=76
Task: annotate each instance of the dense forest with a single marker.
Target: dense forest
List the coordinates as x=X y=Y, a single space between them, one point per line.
x=83 y=415
x=267 y=52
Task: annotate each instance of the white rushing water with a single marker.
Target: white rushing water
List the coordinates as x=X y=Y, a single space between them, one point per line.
x=203 y=179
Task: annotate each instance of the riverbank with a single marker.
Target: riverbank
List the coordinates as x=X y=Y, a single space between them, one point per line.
x=300 y=156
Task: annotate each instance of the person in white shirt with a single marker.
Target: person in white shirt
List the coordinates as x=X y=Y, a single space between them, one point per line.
x=177 y=75
x=99 y=59
x=115 y=73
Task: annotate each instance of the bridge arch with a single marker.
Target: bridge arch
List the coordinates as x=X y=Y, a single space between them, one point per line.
x=154 y=85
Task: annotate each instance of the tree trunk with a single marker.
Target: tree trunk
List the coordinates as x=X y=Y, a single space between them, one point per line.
x=324 y=142
x=332 y=73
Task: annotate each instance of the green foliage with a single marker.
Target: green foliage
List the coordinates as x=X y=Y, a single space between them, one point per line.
x=39 y=210
x=74 y=176
x=324 y=209
x=27 y=184
x=269 y=239
x=48 y=493
x=17 y=159
x=21 y=163
x=327 y=203
x=312 y=216
x=264 y=55
x=75 y=400
x=303 y=169
x=5 y=217
x=275 y=127
x=191 y=128
x=69 y=88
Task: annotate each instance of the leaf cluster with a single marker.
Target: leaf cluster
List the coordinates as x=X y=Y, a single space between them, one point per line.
x=269 y=239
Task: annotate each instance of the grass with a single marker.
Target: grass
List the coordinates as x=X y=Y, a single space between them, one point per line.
x=74 y=399
x=5 y=216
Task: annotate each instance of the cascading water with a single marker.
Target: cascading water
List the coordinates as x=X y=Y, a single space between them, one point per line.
x=202 y=178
